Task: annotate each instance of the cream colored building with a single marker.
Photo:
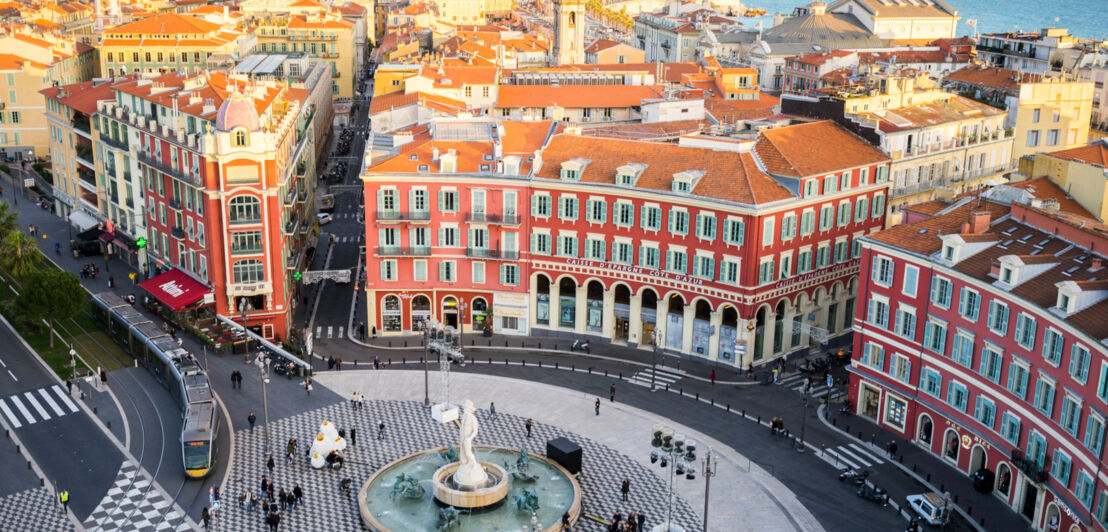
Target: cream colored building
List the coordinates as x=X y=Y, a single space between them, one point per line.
x=1079 y=171
x=903 y=20
x=323 y=34
x=461 y=11
x=167 y=42
x=1050 y=115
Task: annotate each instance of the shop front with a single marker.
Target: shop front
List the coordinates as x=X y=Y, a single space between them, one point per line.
x=421 y=313
x=392 y=315
x=509 y=311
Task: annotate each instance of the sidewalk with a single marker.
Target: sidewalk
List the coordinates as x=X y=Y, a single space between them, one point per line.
x=984 y=510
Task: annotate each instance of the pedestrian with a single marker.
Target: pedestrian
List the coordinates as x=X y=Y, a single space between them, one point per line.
x=775 y=370
x=640 y=521
x=69 y=386
x=342 y=433
x=381 y=430
x=308 y=385
x=612 y=392
x=750 y=369
x=376 y=362
x=251 y=418
x=63 y=496
x=206 y=516
x=104 y=378
x=625 y=488
x=892 y=450
x=298 y=492
x=353 y=436
x=492 y=410
x=713 y=377
x=269 y=464
x=528 y=425
x=281 y=499
x=234 y=379
x=354 y=400
x=111 y=281
x=597 y=406
x=331 y=362
x=263 y=486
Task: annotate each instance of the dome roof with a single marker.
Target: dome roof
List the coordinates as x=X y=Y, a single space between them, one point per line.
x=237 y=111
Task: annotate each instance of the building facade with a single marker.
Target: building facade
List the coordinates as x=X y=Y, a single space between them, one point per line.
x=732 y=252
x=980 y=341
x=569 y=32
x=1036 y=52
x=1052 y=114
x=169 y=42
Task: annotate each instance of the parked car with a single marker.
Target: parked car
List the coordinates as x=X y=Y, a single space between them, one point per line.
x=931 y=507
x=324 y=218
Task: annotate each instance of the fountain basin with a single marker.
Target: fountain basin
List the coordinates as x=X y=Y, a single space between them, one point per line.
x=559 y=493
x=458 y=496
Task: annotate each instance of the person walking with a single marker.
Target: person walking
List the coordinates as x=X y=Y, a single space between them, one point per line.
x=281 y=499
x=205 y=516
x=63 y=496
x=713 y=377
x=298 y=492
x=234 y=379
x=892 y=450
x=69 y=386
x=612 y=392
x=381 y=431
x=308 y=385
x=492 y=410
x=263 y=486
x=527 y=424
x=640 y=521
x=625 y=488
x=597 y=406
x=251 y=418
x=269 y=464
x=353 y=436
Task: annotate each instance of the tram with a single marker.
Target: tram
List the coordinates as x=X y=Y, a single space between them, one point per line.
x=172 y=366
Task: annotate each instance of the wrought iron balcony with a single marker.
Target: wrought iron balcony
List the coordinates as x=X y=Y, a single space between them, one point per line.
x=402 y=251
x=1035 y=472
x=486 y=218
x=403 y=216
x=178 y=233
x=497 y=254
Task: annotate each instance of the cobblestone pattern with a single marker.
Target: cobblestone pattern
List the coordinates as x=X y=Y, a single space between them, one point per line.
x=32 y=509
x=133 y=505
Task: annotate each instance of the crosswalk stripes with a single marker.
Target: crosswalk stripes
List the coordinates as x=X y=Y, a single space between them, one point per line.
x=319 y=332
x=798 y=381
x=340 y=333
x=853 y=456
x=28 y=404
x=330 y=331
x=661 y=376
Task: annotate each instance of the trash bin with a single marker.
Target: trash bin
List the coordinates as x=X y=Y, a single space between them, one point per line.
x=983 y=480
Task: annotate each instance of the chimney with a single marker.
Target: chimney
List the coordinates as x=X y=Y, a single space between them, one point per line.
x=536 y=163
x=435 y=154
x=979 y=221
x=1096 y=264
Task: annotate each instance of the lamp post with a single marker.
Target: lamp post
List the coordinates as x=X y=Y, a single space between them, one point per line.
x=654 y=359
x=427 y=336
x=673 y=451
x=804 y=395
x=262 y=363
x=710 y=467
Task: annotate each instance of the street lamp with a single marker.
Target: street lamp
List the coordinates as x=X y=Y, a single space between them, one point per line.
x=654 y=360
x=804 y=395
x=262 y=363
x=427 y=337
x=710 y=468
x=671 y=448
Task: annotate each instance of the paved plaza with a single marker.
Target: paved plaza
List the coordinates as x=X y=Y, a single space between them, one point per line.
x=135 y=504
x=615 y=446
x=32 y=510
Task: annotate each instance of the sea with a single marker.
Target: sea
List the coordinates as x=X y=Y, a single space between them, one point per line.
x=1086 y=19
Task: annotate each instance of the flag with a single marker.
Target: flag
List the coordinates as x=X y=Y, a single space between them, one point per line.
x=758 y=26
x=972 y=22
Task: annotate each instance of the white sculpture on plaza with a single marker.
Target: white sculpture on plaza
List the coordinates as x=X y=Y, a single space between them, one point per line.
x=325 y=441
x=470 y=472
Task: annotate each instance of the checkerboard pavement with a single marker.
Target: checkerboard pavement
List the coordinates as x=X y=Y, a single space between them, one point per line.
x=32 y=509
x=133 y=505
x=408 y=429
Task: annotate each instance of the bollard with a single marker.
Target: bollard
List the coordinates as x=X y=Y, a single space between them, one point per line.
x=540 y=345
x=901 y=459
x=728 y=407
x=942 y=488
x=94 y=410
x=109 y=425
x=697 y=396
x=555 y=365
x=573 y=367
x=621 y=375
x=490 y=361
x=982 y=521
x=955 y=498
x=29 y=465
x=355 y=362
x=390 y=343
x=913 y=468
x=667 y=386
x=929 y=477
x=713 y=401
x=744 y=413
x=590 y=370
x=405 y=343
x=681 y=391
x=16 y=449
x=472 y=342
x=505 y=343
x=540 y=363
x=605 y=373
x=834 y=422
x=523 y=362
x=848 y=429
x=969 y=511
x=42 y=482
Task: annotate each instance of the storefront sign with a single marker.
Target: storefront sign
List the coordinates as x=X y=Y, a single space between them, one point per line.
x=818 y=273
x=636 y=270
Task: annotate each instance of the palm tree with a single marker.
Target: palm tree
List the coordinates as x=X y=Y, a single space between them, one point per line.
x=20 y=254
x=8 y=218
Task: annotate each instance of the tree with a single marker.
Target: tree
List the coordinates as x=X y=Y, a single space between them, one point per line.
x=51 y=295
x=20 y=254
x=8 y=218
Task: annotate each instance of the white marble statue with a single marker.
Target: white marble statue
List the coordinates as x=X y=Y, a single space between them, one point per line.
x=470 y=472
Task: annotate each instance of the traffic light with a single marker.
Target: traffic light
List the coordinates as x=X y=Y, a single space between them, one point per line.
x=141 y=242
x=296 y=275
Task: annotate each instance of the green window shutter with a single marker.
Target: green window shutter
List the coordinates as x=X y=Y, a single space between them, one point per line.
x=603 y=212
x=670 y=220
x=442 y=241
x=644 y=217
x=534 y=204
x=742 y=232
x=442 y=271
x=561 y=207
x=411 y=200
x=440 y=201
x=384 y=271
x=615 y=252
x=380 y=200
x=533 y=248
x=642 y=256
x=502 y=273
x=669 y=260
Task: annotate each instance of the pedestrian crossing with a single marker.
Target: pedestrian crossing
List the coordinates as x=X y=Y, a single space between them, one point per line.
x=798 y=381
x=853 y=456
x=662 y=376
x=33 y=406
x=330 y=332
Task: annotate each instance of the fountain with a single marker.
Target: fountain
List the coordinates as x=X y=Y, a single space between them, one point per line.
x=470 y=492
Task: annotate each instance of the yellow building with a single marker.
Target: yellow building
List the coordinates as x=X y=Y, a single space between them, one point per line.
x=461 y=11
x=390 y=77
x=1052 y=114
x=1080 y=171
x=169 y=41
x=29 y=62
x=322 y=33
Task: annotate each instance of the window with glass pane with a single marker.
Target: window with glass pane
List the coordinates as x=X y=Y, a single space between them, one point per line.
x=984 y=411
x=941 y=290
x=244 y=209
x=969 y=304
x=991 y=361
x=934 y=336
x=1025 y=331
x=248 y=271
x=1018 y=376
x=1079 y=363
x=878 y=312
x=906 y=323
x=1010 y=428
x=957 y=396
x=1094 y=433
x=902 y=368
x=246 y=242
x=1044 y=396
x=1084 y=489
x=1071 y=414
x=1060 y=466
x=932 y=382
x=873 y=355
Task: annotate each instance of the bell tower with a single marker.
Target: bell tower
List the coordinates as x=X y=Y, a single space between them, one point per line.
x=569 y=32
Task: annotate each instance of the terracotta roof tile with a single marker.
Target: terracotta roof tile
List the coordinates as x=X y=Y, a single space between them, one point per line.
x=575 y=96
x=728 y=176
x=83 y=96
x=814 y=148
x=923 y=237
x=165 y=23
x=1095 y=154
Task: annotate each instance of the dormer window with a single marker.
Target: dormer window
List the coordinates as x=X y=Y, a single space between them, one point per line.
x=684 y=182
x=948 y=253
x=628 y=174
x=573 y=168
x=1006 y=274
x=1065 y=303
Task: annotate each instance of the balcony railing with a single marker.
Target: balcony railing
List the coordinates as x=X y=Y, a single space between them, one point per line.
x=397 y=216
x=179 y=233
x=107 y=139
x=1035 y=472
x=402 y=251
x=498 y=254
x=174 y=204
x=290 y=225
x=486 y=218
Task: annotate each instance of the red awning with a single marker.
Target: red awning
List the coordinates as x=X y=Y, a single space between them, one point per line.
x=175 y=289
x=106 y=237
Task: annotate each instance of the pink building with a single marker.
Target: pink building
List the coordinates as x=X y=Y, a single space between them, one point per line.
x=707 y=248
x=981 y=340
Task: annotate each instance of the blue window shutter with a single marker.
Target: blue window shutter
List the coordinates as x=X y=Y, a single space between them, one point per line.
x=615 y=253
x=603 y=212
x=742 y=232
x=670 y=220
x=669 y=260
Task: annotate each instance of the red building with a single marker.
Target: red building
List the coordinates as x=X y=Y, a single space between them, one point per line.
x=212 y=171
x=981 y=341
x=708 y=246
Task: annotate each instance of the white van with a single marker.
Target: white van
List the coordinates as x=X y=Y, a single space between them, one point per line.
x=931 y=507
